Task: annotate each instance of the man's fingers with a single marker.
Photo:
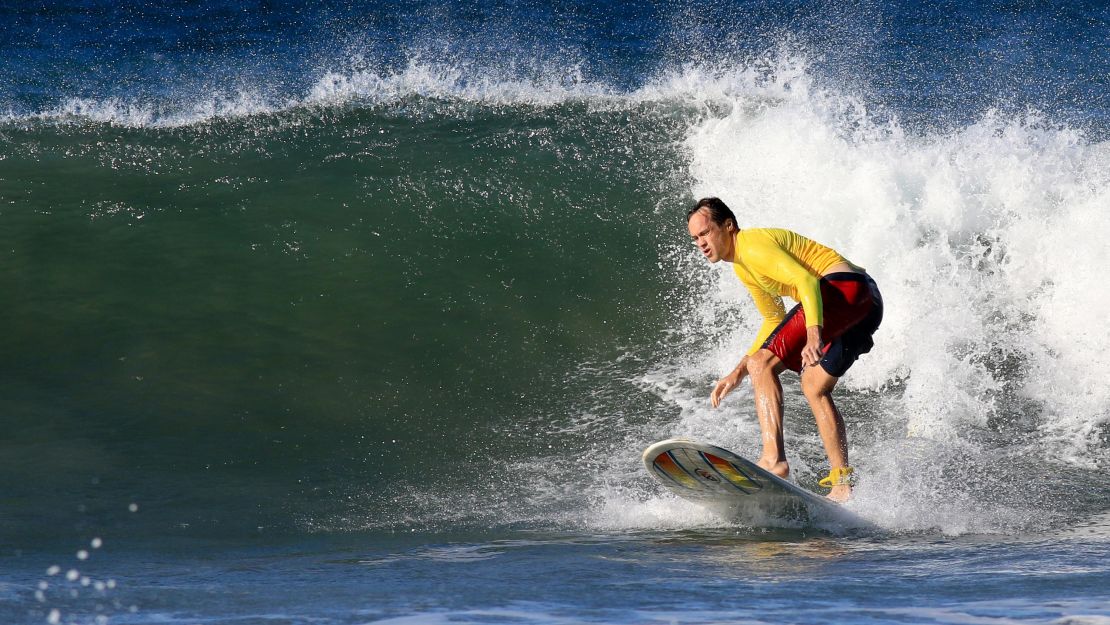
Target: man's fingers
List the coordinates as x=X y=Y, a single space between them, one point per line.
x=719 y=391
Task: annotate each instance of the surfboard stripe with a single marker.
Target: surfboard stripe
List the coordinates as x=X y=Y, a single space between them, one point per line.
x=666 y=477
x=696 y=468
x=700 y=470
x=670 y=467
x=732 y=473
x=725 y=474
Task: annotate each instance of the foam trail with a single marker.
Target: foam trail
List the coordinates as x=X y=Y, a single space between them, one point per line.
x=547 y=86
x=455 y=82
x=340 y=88
x=149 y=113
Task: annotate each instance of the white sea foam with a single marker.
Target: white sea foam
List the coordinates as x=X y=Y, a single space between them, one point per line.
x=455 y=82
x=449 y=82
x=988 y=244
x=143 y=113
x=336 y=88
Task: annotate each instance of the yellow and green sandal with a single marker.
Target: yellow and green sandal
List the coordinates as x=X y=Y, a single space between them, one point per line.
x=838 y=477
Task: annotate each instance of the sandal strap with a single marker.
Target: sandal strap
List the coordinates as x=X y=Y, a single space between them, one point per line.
x=838 y=477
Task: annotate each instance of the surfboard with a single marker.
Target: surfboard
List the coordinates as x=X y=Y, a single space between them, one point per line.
x=736 y=488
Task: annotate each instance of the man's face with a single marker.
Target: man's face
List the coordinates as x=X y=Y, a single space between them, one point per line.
x=714 y=241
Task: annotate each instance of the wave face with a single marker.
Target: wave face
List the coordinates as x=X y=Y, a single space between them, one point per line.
x=330 y=268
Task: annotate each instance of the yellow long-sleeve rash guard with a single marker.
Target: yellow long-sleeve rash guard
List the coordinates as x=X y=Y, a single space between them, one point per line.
x=772 y=263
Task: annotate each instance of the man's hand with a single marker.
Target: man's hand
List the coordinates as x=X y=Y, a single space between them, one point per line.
x=814 y=349
x=726 y=384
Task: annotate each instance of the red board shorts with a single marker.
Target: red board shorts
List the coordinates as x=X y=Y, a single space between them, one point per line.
x=853 y=311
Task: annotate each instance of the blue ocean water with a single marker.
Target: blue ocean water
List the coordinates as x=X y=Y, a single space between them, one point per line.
x=342 y=312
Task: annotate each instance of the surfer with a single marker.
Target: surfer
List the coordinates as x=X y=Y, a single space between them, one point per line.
x=820 y=338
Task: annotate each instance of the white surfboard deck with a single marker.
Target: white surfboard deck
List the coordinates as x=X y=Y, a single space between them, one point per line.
x=738 y=489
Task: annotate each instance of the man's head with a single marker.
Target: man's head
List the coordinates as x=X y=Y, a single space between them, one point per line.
x=713 y=229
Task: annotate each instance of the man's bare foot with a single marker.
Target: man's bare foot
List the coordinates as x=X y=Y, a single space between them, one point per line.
x=780 y=468
x=840 y=493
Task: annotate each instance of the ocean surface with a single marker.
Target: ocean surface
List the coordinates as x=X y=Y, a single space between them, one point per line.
x=342 y=312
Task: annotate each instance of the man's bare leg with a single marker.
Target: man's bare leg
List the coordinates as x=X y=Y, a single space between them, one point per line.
x=818 y=385
x=764 y=368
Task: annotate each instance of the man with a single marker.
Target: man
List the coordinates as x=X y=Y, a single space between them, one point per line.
x=839 y=309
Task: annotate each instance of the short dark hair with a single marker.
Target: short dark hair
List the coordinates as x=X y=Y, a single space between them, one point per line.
x=718 y=211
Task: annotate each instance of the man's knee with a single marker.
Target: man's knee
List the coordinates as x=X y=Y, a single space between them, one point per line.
x=761 y=363
x=817 y=386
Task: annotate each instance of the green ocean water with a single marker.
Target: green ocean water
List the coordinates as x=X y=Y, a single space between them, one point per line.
x=256 y=317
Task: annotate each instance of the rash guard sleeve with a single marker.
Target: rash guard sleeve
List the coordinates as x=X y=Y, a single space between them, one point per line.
x=769 y=306
x=767 y=258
